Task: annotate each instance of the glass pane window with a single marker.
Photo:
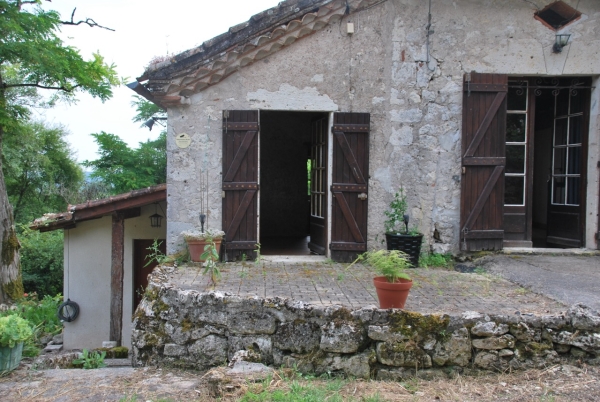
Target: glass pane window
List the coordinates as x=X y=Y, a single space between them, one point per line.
x=317 y=190
x=560 y=161
x=517 y=98
x=576 y=102
x=560 y=131
x=574 y=160
x=567 y=157
x=516 y=144
x=515 y=127
x=562 y=103
x=573 y=190
x=575 y=123
x=515 y=159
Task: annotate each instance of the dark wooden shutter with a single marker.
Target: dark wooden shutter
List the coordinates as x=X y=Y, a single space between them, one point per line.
x=483 y=161
x=240 y=182
x=349 y=185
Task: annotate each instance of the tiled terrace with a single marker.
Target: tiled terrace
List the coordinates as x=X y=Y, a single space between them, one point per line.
x=317 y=281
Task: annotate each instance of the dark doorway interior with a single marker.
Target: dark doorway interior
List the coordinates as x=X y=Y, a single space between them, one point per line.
x=285 y=145
x=542 y=159
x=142 y=267
x=560 y=152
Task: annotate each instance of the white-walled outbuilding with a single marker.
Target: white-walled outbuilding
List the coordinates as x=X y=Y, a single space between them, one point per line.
x=105 y=249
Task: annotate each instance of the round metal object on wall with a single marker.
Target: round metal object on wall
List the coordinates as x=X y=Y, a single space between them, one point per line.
x=68 y=311
x=183 y=140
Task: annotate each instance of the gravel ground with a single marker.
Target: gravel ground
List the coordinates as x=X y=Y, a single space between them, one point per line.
x=567 y=382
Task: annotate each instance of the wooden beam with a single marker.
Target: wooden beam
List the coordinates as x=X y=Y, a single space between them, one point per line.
x=131 y=213
x=109 y=207
x=116 y=275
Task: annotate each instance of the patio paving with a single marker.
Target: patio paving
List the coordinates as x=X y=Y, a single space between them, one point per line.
x=322 y=282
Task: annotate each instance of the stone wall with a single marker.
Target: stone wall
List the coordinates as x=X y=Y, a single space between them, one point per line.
x=189 y=329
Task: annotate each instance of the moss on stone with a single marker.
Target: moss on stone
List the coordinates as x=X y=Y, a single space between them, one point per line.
x=187 y=325
x=118 y=352
x=410 y=324
x=531 y=349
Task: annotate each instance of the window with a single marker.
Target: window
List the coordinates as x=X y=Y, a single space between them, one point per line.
x=567 y=149
x=317 y=164
x=557 y=15
x=516 y=144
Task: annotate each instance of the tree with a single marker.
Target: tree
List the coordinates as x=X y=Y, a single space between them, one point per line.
x=32 y=57
x=39 y=167
x=126 y=169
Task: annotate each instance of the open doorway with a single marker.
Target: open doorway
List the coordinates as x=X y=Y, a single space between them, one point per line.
x=546 y=149
x=292 y=161
x=560 y=152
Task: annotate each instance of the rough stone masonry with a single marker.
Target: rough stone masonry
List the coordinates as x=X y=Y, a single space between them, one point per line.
x=195 y=330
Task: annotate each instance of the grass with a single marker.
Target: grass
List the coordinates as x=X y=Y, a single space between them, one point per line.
x=299 y=388
x=428 y=260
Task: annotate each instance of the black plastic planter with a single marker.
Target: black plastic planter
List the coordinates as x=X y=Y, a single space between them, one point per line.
x=410 y=244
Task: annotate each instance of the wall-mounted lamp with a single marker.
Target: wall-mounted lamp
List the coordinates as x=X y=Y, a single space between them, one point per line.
x=561 y=41
x=150 y=122
x=155 y=219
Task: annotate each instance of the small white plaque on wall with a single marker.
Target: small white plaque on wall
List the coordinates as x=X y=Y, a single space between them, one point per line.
x=183 y=140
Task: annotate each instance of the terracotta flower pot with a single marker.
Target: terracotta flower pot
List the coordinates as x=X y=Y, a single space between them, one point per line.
x=391 y=295
x=196 y=248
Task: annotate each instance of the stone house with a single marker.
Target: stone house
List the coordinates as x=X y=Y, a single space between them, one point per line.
x=484 y=112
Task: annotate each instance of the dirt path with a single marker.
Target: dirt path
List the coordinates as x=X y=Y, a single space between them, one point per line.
x=556 y=383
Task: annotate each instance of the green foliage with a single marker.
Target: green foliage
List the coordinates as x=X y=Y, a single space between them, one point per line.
x=395 y=215
x=32 y=57
x=31 y=46
x=211 y=256
x=145 y=110
x=126 y=169
x=38 y=167
x=396 y=212
x=91 y=360
x=435 y=260
x=41 y=314
x=41 y=261
x=155 y=254
x=257 y=253
x=14 y=330
x=389 y=263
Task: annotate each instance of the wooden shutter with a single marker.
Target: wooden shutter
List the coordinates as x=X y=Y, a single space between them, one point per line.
x=240 y=182
x=483 y=161
x=349 y=185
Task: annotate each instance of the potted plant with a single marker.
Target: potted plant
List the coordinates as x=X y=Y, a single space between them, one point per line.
x=14 y=330
x=406 y=239
x=198 y=240
x=392 y=283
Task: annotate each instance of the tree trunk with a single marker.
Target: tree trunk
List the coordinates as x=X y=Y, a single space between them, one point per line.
x=11 y=283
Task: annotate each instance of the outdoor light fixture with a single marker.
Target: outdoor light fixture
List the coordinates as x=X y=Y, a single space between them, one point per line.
x=150 y=122
x=561 y=41
x=155 y=219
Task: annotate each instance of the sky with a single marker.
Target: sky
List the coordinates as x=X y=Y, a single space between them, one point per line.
x=143 y=29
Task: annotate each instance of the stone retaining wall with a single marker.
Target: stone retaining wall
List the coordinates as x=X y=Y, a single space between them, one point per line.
x=190 y=329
